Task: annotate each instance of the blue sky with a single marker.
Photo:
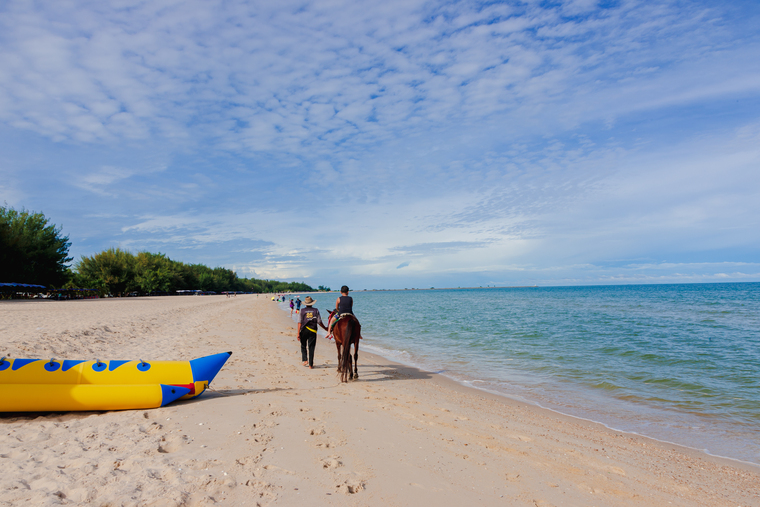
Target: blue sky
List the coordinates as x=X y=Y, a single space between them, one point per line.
x=393 y=144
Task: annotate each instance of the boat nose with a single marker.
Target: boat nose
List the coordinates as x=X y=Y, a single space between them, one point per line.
x=206 y=368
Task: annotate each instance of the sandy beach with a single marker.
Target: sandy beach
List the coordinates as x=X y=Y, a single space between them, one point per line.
x=271 y=432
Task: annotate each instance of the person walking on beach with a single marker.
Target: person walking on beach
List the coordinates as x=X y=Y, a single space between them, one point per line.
x=298 y=304
x=307 y=331
x=292 y=306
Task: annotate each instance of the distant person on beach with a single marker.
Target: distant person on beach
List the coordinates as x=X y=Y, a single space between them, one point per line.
x=292 y=307
x=298 y=304
x=307 y=331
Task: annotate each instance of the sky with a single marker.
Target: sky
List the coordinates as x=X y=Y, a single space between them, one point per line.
x=393 y=144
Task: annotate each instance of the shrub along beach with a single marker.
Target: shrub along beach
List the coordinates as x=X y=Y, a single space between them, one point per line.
x=33 y=251
x=116 y=271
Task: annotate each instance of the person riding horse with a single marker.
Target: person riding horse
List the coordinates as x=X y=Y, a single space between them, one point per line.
x=346 y=329
x=344 y=305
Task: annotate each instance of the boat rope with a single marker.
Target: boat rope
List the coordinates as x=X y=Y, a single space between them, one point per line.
x=219 y=393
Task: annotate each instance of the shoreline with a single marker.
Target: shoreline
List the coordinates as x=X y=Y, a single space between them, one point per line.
x=453 y=384
x=271 y=432
x=538 y=405
x=519 y=399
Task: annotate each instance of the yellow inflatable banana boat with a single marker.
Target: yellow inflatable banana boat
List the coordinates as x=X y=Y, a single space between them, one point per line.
x=35 y=385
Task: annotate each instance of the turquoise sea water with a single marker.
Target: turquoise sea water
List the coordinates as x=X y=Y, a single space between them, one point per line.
x=679 y=363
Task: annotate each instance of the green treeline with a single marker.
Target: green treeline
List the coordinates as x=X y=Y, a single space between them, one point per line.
x=117 y=271
x=34 y=251
x=31 y=249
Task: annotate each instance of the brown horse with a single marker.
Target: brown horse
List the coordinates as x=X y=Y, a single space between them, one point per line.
x=347 y=331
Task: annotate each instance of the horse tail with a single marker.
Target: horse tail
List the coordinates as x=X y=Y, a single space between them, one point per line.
x=345 y=360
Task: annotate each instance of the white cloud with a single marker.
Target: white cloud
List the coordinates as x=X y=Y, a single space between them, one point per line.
x=346 y=73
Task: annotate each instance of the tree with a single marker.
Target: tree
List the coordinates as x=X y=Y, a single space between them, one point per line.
x=31 y=249
x=156 y=273
x=110 y=272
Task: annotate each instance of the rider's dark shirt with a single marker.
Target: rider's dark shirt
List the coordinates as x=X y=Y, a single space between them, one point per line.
x=345 y=305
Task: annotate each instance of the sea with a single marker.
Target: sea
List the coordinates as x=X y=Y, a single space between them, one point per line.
x=679 y=363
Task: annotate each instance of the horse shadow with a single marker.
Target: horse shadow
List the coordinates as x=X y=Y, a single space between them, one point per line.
x=386 y=372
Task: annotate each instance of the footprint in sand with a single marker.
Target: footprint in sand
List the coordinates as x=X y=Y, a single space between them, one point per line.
x=171 y=443
x=248 y=462
x=275 y=468
x=262 y=438
x=350 y=486
x=331 y=463
x=325 y=445
x=151 y=428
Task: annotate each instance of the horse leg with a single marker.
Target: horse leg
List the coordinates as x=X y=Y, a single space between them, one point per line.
x=356 y=359
x=347 y=331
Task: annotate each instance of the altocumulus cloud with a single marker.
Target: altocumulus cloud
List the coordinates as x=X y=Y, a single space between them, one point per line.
x=577 y=142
